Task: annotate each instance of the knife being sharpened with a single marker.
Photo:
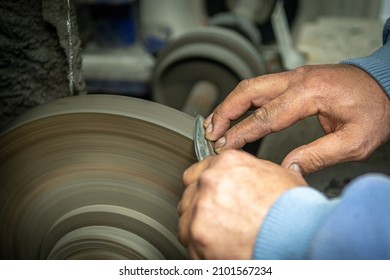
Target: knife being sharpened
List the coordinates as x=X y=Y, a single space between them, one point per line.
x=203 y=147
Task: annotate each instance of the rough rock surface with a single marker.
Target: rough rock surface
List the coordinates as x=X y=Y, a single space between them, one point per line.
x=35 y=54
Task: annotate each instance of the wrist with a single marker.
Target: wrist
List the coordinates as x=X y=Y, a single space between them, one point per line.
x=377 y=65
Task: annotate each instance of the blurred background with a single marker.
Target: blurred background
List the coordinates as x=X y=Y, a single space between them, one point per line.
x=122 y=38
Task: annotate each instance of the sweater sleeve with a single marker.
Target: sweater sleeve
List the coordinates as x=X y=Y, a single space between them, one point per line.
x=378 y=63
x=303 y=224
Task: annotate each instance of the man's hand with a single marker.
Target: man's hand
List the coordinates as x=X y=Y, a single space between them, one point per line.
x=225 y=200
x=351 y=107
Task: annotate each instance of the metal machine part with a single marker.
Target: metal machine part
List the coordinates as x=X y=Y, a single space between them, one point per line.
x=201 y=98
x=214 y=55
x=241 y=24
x=94 y=177
x=291 y=58
x=203 y=147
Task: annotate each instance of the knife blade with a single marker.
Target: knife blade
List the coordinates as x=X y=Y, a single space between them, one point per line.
x=203 y=147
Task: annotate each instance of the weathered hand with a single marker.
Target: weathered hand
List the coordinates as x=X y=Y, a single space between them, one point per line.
x=351 y=107
x=225 y=200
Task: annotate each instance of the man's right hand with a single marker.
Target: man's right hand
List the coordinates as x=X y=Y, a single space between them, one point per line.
x=351 y=107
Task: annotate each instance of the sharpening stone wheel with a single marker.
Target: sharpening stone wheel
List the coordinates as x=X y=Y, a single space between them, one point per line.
x=94 y=177
x=214 y=55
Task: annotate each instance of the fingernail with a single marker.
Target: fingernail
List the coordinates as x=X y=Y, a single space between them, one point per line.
x=208 y=120
x=295 y=167
x=220 y=143
x=209 y=128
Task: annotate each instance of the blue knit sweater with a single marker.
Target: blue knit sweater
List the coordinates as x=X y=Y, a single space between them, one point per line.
x=304 y=224
x=377 y=64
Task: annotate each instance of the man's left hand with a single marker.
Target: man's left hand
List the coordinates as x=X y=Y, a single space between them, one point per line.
x=225 y=200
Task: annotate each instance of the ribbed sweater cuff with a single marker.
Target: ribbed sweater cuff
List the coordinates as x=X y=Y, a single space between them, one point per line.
x=377 y=65
x=291 y=224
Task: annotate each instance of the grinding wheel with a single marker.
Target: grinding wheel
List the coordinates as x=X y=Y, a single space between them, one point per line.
x=214 y=54
x=94 y=177
x=239 y=24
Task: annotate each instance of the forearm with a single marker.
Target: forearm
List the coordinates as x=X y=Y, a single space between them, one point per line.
x=303 y=224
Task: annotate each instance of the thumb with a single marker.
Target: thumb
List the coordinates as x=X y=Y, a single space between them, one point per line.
x=323 y=152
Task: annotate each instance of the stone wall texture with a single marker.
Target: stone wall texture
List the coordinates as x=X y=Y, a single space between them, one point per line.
x=35 y=52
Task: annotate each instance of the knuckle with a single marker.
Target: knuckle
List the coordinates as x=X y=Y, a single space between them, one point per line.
x=262 y=115
x=306 y=80
x=245 y=84
x=189 y=176
x=229 y=156
x=316 y=161
x=198 y=232
x=211 y=180
x=303 y=70
x=235 y=136
x=264 y=119
x=206 y=175
x=217 y=112
x=207 y=179
x=359 y=151
x=185 y=177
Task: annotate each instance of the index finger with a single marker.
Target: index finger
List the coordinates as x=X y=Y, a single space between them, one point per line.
x=249 y=93
x=192 y=173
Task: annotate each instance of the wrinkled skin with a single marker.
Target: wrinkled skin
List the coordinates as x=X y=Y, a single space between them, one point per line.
x=227 y=196
x=351 y=107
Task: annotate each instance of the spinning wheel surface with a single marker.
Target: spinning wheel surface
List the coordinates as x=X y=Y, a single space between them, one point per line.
x=94 y=177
